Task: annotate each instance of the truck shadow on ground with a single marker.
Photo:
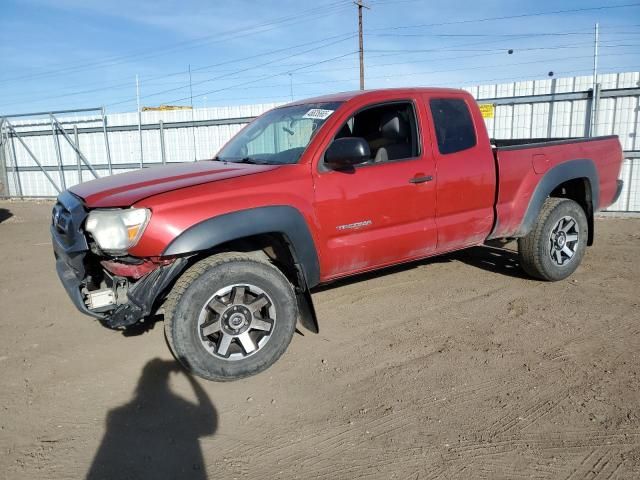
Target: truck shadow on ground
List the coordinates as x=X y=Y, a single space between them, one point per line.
x=156 y=435
x=491 y=258
x=5 y=214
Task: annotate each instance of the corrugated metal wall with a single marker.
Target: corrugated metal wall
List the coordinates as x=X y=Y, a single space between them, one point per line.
x=182 y=143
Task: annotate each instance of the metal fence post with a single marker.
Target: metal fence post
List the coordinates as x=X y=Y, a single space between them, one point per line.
x=592 y=112
x=16 y=172
x=163 y=154
x=106 y=140
x=77 y=140
x=4 y=178
x=588 y=115
x=628 y=206
x=596 y=107
x=551 y=108
x=56 y=142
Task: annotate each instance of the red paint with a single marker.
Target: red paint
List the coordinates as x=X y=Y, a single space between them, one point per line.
x=125 y=189
x=405 y=221
x=134 y=271
x=518 y=178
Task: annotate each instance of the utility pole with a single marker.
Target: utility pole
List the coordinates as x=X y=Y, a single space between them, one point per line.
x=360 y=6
x=139 y=120
x=594 y=94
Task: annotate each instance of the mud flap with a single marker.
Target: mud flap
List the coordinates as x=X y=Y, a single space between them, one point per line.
x=307 y=312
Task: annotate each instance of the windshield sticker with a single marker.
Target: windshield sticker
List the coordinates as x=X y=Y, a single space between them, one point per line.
x=318 y=113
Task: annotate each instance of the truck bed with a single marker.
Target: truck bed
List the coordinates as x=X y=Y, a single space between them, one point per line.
x=522 y=165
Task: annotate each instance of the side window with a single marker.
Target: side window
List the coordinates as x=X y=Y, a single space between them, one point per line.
x=390 y=130
x=453 y=124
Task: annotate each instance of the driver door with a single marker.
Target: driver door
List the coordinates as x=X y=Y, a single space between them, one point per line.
x=382 y=211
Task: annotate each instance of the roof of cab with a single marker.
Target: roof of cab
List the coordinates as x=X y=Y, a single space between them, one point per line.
x=345 y=96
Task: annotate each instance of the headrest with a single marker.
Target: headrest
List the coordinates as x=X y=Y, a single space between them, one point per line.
x=393 y=126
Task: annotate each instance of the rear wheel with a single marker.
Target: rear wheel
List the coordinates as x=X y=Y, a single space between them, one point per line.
x=555 y=247
x=230 y=316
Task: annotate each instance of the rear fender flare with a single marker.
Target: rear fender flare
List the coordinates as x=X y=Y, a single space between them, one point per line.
x=581 y=168
x=281 y=219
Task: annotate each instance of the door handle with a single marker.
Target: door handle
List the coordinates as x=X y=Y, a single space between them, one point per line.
x=426 y=178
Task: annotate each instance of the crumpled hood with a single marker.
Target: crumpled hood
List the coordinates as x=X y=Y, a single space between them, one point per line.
x=125 y=189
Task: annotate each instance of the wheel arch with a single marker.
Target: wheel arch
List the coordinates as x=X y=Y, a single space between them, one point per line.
x=281 y=232
x=281 y=221
x=576 y=180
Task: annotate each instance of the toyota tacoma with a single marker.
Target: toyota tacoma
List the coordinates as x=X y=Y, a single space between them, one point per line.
x=310 y=192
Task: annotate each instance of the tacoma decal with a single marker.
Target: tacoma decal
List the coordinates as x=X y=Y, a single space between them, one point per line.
x=353 y=226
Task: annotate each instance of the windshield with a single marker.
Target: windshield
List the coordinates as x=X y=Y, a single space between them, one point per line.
x=279 y=136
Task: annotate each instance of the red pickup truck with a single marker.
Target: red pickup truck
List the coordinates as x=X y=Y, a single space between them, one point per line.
x=310 y=192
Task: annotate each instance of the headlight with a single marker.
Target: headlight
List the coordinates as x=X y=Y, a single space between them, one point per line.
x=115 y=231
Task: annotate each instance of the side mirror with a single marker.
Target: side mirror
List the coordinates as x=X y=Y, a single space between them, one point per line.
x=344 y=153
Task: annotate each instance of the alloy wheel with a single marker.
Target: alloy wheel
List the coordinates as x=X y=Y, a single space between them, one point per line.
x=236 y=322
x=563 y=240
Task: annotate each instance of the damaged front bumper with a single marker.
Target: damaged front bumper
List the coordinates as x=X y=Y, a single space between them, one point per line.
x=136 y=297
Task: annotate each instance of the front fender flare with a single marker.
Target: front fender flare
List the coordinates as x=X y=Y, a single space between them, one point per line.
x=282 y=219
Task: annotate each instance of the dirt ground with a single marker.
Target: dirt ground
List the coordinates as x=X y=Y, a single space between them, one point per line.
x=457 y=367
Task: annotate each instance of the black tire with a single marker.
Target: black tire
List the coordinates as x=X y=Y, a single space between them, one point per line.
x=194 y=290
x=539 y=252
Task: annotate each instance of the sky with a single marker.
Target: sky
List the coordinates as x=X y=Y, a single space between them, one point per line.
x=69 y=54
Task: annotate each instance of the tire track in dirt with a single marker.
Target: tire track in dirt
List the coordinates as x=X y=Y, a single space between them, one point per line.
x=548 y=441
x=600 y=463
x=334 y=437
x=522 y=417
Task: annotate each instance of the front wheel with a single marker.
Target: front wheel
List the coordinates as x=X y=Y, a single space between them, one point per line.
x=555 y=247
x=230 y=316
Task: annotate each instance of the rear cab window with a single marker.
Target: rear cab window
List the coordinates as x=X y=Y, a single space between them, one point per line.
x=453 y=124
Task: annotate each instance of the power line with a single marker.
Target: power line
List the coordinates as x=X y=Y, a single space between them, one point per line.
x=584 y=70
x=523 y=49
x=477 y=82
x=413 y=62
x=487 y=52
x=263 y=78
x=335 y=6
x=244 y=70
x=376 y=77
x=465 y=35
x=127 y=84
x=394 y=52
x=324 y=10
x=511 y=17
x=431 y=72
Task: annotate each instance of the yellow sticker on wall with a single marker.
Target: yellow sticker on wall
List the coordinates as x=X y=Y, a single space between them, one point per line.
x=487 y=110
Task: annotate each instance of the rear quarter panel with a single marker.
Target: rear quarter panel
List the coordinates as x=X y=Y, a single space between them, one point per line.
x=518 y=179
